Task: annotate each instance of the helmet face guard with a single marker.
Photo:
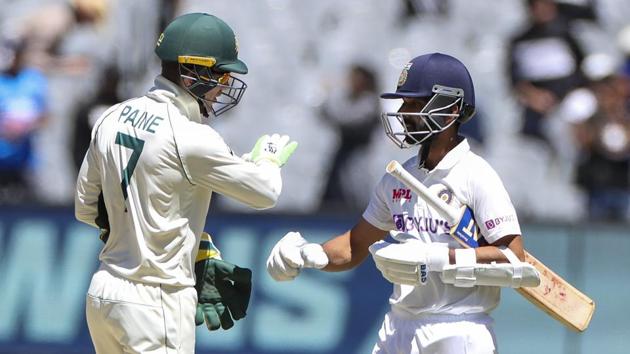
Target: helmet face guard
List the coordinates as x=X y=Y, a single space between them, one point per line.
x=204 y=79
x=408 y=129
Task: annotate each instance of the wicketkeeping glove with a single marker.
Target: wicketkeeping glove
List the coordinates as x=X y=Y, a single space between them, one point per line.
x=274 y=148
x=223 y=289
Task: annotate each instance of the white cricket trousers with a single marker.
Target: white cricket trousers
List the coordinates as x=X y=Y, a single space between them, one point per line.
x=436 y=334
x=130 y=317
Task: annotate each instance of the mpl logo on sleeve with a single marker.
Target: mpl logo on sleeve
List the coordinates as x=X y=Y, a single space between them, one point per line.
x=401 y=193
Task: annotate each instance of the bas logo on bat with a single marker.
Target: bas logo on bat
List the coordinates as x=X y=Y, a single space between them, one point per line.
x=423 y=273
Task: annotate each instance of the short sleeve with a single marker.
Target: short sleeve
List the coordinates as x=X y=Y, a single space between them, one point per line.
x=378 y=212
x=494 y=211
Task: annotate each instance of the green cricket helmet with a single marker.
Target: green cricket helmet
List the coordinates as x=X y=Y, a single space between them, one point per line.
x=207 y=52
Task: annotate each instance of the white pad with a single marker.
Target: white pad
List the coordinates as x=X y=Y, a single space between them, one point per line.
x=514 y=274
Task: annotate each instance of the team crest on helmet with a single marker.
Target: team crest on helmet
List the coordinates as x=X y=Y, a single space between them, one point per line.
x=236 y=44
x=403 y=74
x=446 y=195
x=160 y=39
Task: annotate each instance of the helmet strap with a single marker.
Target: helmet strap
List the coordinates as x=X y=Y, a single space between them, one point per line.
x=423 y=152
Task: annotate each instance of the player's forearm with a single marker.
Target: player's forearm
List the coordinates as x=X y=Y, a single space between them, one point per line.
x=489 y=254
x=86 y=203
x=85 y=213
x=340 y=254
x=258 y=187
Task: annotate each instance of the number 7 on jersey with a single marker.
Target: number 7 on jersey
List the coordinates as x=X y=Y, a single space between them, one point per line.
x=136 y=145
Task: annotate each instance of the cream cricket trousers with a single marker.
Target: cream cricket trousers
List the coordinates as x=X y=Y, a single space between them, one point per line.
x=130 y=317
x=436 y=334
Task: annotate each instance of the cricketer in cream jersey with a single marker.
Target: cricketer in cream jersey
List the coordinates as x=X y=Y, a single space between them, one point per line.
x=146 y=182
x=156 y=222
x=394 y=207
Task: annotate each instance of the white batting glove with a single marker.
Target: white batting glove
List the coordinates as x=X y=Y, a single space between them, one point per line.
x=275 y=148
x=408 y=263
x=291 y=254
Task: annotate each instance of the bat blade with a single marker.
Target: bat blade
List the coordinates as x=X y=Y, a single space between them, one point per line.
x=555 y=296
x=558 y=298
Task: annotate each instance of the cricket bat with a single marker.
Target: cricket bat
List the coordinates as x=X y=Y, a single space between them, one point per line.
x=554 y=295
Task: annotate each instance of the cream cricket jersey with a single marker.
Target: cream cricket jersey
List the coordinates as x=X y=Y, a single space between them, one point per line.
x=157 y=164
x=461 y=178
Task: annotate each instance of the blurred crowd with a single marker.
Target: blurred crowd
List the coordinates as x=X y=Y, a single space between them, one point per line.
x=552 y=78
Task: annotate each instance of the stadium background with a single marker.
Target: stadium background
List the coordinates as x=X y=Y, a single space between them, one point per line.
x=298 y=53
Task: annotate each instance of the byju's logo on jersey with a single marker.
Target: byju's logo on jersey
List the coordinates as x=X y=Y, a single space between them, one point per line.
x=401 y=193
x=399 y=221
x=492 y=223
x=406 y=223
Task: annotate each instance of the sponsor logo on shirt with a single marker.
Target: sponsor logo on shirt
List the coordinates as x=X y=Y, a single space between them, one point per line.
x=406 y=223
x=401 y=193
x=492 y=223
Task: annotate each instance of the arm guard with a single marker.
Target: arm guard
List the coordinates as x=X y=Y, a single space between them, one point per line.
x=467 y=273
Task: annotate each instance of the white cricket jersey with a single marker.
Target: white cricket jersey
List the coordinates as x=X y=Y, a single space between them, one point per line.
x=461 y=178
x=157 y=162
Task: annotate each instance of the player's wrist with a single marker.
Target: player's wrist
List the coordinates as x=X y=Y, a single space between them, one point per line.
x=438 y=257
x=267 y=160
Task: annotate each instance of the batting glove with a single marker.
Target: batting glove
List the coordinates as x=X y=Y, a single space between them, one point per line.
x=274 y=148
x=223 y=289
x=291 y=254
x=408 y=263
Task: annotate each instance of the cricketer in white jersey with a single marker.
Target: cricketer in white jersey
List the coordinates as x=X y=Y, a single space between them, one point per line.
x=394 y=207
x=430 y=314
x=148 y=178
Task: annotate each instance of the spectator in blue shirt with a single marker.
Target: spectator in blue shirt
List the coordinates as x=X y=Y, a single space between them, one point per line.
x=23 y=95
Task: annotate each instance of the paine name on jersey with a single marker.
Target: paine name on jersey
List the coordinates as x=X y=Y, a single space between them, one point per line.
x=139 y=119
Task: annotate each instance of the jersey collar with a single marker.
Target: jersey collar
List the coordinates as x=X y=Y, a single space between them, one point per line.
x=180 y=97
x=454 y=156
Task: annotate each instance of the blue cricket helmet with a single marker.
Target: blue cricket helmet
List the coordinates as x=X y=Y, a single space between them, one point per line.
x=422 y=73
x=446 y=83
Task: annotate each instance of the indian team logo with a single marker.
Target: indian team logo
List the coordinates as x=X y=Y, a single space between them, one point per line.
x=403 y=74
x=446 y=195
